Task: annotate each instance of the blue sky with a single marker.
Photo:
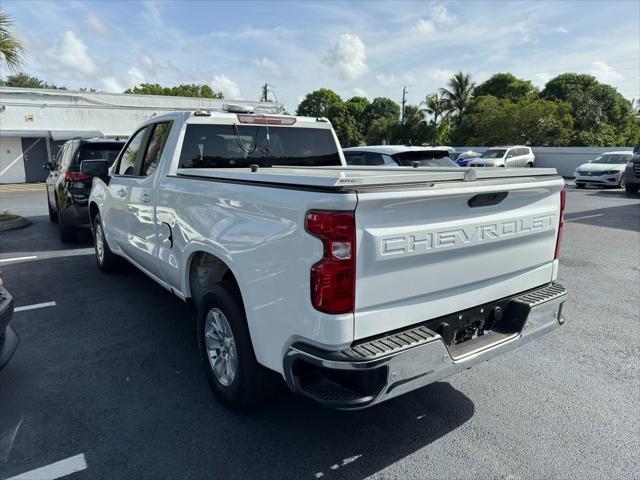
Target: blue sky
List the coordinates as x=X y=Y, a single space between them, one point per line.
x=354 y=48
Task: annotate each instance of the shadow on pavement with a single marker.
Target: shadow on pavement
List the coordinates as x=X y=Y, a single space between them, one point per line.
x=113 y=372
x=41 y=235
x=624 y=217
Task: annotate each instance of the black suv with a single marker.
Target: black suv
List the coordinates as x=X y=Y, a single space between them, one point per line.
x=68 y=190
x=632 y=173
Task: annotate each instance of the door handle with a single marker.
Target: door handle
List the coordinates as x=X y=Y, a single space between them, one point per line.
x=146 y=198
x=122 y=193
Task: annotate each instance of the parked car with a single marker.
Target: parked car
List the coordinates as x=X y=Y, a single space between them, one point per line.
x=631 y=176
x=398 y=155
x=68 y=189
x=463 y=158
x=8 y=337
x=516 y=156
x=355 y=285
x=606 y=170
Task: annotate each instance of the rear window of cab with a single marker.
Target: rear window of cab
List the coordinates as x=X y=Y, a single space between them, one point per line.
x=234 y=146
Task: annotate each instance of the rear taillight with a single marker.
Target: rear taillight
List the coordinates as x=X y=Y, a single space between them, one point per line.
x=75 y=176
x=333 y=279
x=265 y=119
x=563 y=195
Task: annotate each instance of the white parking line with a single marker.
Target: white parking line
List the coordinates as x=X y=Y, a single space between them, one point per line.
x=575 y=219
x=17 y=259
x=34 y=306
x=55 y=470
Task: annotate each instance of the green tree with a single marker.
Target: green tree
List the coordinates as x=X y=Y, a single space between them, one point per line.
x=506 y=85
x=345 y=125
x=413 y=132
x=458 y=93
x=381 y=107
x=23 y=80
x=357 y=107
x=184 y=90
x=11 y=48
x=603 y=117
x=318 y=103
x=381 y=131
x=435 y=105
x=493 y=121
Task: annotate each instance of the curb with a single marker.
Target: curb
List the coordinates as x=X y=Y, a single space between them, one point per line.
x=14 y=224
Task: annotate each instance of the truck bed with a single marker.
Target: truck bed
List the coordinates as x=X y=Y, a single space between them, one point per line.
x=354 y=178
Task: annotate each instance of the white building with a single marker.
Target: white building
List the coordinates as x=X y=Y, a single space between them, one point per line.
x=34 y=123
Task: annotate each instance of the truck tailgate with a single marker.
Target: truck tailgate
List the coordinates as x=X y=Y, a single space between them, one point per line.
x=427 y=252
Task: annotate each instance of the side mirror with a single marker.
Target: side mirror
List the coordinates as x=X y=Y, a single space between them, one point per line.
x=94 y=168
x=47 y=166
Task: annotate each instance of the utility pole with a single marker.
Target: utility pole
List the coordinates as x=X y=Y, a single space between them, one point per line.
x=404 y=100
x=265 y=92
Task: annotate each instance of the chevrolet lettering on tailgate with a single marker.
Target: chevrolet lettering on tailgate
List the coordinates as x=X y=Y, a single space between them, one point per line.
x=453 y=238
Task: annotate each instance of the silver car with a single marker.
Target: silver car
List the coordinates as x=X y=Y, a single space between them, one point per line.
x=516 y=156
x=606 y=170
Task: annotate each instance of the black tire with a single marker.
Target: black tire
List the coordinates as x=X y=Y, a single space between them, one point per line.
x=621 y=183
x=580 y=185
x=252 y=384
x=529 y=165
x=53 y=216
x=632 y=188
x=67 y=233
x=107 y=261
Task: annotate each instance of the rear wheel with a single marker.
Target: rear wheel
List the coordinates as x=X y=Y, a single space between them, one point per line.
x=226 y=352
x=67 y=233
x=580 y=185
x=107 y=261
x=52 y=214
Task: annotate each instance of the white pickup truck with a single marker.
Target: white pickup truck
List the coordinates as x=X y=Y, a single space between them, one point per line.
x=354 y=284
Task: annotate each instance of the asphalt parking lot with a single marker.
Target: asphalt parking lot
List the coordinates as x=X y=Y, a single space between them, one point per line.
x=108 y=379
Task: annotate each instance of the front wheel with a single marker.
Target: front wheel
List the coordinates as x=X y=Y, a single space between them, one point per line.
x=105 y=258
x=226 y=352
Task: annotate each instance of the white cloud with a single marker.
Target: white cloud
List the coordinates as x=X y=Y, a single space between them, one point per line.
x=540 y=79
x=111 y=85
x=135 y=76
x=96 y=22
x=348 y=57
x=228 y=87
x=424 y=27
x=560 y=29
x=71 y=54
x=394 y=80
x=359 y=92
x=441 y=16
x=438 y=16
x=605 y=72
x=269 y=65
x=440 y=75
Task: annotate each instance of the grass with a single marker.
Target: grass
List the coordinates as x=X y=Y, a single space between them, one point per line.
x=6 y=216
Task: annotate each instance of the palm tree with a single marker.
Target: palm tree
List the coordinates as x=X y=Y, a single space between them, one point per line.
x=458 y=93
x=435 y=105
x=10 y=46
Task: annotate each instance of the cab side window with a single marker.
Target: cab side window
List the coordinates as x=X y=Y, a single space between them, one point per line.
x=129 y=156
x=156 y=146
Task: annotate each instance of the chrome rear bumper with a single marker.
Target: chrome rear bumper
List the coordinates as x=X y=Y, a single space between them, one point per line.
x=373 y=371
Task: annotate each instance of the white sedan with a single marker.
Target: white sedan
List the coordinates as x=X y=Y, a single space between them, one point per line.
x=606 y=170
